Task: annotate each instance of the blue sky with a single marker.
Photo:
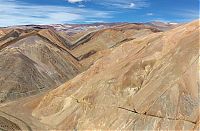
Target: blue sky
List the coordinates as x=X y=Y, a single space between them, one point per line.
x=20 y=12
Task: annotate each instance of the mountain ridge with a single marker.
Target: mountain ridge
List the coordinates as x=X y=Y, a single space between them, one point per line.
x=125 y=77
x=80 y=98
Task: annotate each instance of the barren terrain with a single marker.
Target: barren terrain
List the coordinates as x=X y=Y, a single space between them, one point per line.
x=124 y=76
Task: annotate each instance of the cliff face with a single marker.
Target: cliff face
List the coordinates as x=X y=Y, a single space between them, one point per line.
x=149 y=83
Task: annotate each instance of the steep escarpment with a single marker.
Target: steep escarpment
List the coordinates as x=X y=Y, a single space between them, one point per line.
x=149 y=83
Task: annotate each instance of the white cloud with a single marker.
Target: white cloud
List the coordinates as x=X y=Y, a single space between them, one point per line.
x=132 y=5
x=18 y=13
x=149 y=14
x=123 y=4
x=74 y=1
x=81 y=6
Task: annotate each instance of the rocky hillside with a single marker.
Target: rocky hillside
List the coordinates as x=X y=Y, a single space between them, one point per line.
x=31 y=63
x=37 y=58
x=148 y=83
x=89 y=47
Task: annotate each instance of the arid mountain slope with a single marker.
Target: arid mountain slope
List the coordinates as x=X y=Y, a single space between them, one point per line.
x=149 y=83
x=88 y=47
x=2 y=32
x=31 y=63
x=35 y=58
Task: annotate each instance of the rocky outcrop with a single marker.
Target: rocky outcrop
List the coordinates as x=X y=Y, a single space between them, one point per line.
x=149 y=83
